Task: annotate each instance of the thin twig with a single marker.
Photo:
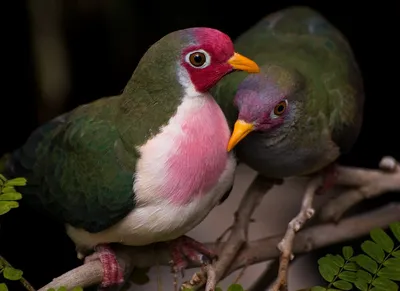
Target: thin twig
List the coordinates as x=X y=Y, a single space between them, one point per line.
x=286 y=244
x=235 y=253
x=366 y=184
x=211 y=277
x=238 y=233
x=267 y=277
x=223 y=235
x=254 y=252
x=23 y=281
x=241 y=273
x=226 y=231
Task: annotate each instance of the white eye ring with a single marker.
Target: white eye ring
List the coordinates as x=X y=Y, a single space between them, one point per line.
x=206 y=63
x=273 y=115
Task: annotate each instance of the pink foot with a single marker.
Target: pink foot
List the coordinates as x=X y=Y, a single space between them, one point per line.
x=113 y=273
x=329 y=181
x=185 y=249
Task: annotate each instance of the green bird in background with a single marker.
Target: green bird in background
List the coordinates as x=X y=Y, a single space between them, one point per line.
x=305 y=108
x=142 y=167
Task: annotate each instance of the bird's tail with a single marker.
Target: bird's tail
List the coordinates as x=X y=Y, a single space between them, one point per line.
x=21 y=163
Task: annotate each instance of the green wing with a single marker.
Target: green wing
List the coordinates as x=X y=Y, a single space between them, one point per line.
x=300 y=38
x=73 y=165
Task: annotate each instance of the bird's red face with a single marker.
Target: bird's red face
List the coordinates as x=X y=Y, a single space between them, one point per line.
x=211 y=58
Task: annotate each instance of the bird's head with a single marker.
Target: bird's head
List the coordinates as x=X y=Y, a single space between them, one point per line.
x=265 y=102
x=197 y=57
x=208 y=55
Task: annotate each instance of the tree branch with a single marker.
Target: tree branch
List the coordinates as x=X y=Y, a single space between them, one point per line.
x=267 y=277
x=23 y=281
x=239 y=230
x=254 y=252
x=366 y=184
x=235 y=253
x=286 y=244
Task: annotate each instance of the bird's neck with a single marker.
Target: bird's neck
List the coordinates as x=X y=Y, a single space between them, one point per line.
x=144 y=110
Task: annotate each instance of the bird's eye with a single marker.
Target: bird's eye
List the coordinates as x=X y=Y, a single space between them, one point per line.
x=280 y=108
x=198 y=59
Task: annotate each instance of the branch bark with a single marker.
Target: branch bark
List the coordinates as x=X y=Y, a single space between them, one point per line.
x=366 y=184
x=237 y=253
x=23 y=281
x=239 y=230
x=267 y=277
x=297 y=223
x=254 y=252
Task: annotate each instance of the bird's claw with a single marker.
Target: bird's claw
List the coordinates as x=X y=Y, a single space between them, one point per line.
x=113 y=273
x=184 y=250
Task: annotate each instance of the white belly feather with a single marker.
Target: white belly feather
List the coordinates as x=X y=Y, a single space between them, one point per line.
x=155 y=218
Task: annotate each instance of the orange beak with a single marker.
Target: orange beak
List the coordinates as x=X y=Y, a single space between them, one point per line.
x=240 y=130
x=241 y=63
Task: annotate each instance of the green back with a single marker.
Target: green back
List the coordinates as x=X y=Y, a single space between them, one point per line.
x=80 y=166
x=299 y=38
x=73 y=170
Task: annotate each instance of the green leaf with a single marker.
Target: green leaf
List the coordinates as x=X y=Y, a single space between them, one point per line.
x=382 y=239
x=386 y=284
x=390 y=273
x=16 y=182
x=62 y=288
x=392 y=263
x=373 y=250
x=318 y=288
x=11 y=196
x=337 y=260
x=324 y=260
x=353 y=259
x=6 y=206
x=348 y=276
x=395 y=228
x=327 y=272
x=235 y=287
x=12 y=274
x=367 y=263
x=350 y=266
x=347 y=252
x=51 y=289
x=343 y=285
x=396 y=254
x=81 y=289
x=361 y=285
x=216 y=289
x=364 y=276
x=3 y=286
x=329 y=261
x=8 y=189
x=2 y=178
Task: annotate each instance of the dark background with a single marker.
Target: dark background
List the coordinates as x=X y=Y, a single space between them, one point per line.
x=102 y=43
